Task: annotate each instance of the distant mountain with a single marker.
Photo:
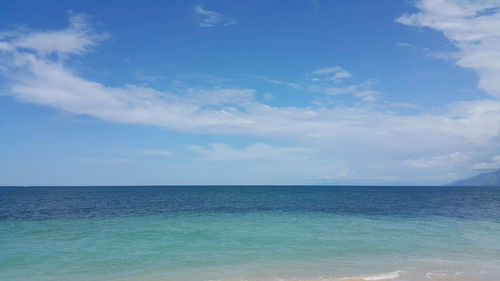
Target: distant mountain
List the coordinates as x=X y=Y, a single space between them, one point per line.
x=486 y=179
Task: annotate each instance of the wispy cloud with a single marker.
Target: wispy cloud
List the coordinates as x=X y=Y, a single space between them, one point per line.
x=330 y=73
x=315 y=3
x=158 y=152
x=278 y=82
x=330 y=81
x=257 y=151
x=452 y=159
x=403 y=44
x=145 y=77
x=361 y=91
x=207 y=18
x=107 y=161
x=77 y=38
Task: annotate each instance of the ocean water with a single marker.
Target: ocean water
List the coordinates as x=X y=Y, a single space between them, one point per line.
x=249 y=233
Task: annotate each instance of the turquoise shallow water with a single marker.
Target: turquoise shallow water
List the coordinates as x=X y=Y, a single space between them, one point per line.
x=280 y=240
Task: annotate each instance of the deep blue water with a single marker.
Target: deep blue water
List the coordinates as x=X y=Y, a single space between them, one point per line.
x=38 y=203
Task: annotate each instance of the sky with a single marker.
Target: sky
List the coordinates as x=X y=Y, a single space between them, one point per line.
x=357 y=92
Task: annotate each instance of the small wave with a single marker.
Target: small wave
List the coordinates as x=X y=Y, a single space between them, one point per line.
x=383 y=276
x=441 y=275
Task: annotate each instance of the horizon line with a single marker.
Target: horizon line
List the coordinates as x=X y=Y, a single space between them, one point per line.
x=237 y=185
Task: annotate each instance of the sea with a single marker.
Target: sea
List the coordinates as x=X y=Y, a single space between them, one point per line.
x=158 y=233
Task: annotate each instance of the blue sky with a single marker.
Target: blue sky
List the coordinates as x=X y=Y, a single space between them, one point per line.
x=248 y=92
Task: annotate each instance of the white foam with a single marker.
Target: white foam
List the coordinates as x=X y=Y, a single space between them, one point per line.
x=442 y=275
x=383 y=276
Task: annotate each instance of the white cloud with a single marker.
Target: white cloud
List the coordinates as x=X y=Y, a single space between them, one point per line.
x=107 y=161
x=278 y=82
x=331 y=73
x=340 y=174
x=448 y=160
x=473 y=27
x=75 y=39
x=207 y=18
x=403 y=44
x=257 y=151
x=365 y=138
x=158 y=152
x=401 y=105
x=494 y=163
x=361 y=91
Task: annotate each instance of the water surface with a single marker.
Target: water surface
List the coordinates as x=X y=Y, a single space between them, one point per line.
x=249 y=233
